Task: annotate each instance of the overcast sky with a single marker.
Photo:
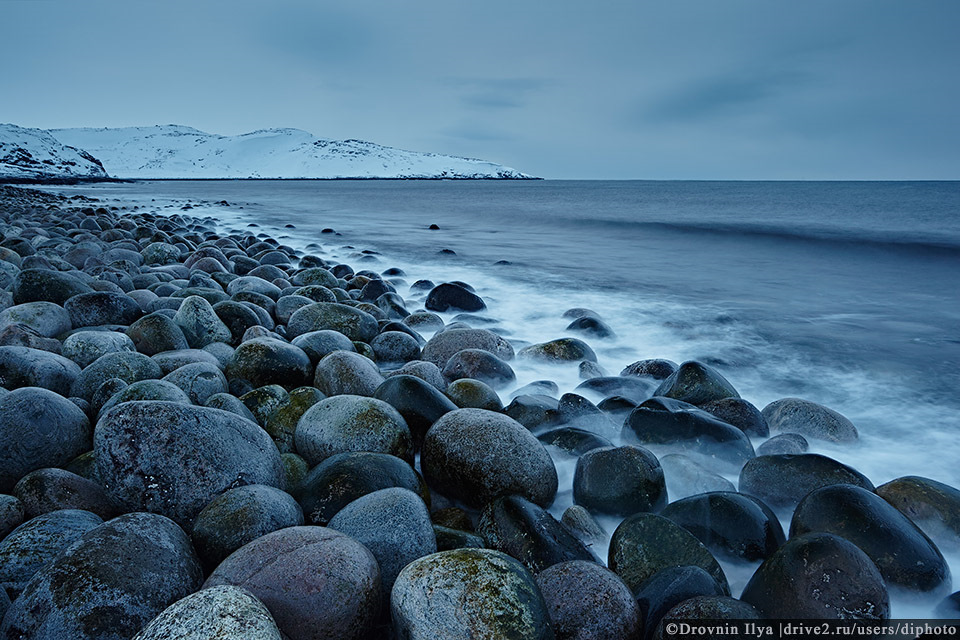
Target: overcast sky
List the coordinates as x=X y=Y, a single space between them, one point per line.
x=673 y=89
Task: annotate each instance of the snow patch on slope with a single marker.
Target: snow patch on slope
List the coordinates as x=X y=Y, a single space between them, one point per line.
x=34 y=154
x=176 y=151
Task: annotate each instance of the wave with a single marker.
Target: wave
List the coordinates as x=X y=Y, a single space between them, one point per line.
x=854 y=237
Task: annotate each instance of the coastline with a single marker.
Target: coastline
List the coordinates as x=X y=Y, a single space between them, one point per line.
x=547 y=413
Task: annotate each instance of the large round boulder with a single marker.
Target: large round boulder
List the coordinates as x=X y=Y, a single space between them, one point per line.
x=124 y=365
x=696 y=383
x=560 y=350
x=809 y=419
x=394 y=524
x=480 y=365
x=933 y=506
x=318 y=584
x=446 y=343
x=46 y=318
x=109 y=584
x=38 y=429
x=27 y=367
x=200 y=323
x=46 y=490
x=352 y=423
x=820 y=576
x=619 y=481
x=218 y=612
x=344 y=372
x=270 y=361
x=646 y=543
x=420 y=403
x=241 y=515
x=155 y=333
x=782 y=480
x=172 y=459
x=587 y=601
x=84 y=347
x=465 y=594
x=904 y=555
x=476 y=456
x=353 y=323
x=345 y=477
x=453 y=297
x=102 y=307
x=36 y=285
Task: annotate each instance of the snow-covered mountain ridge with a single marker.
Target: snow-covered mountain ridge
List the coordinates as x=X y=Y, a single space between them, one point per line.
x=175 y=151
x=34 y=154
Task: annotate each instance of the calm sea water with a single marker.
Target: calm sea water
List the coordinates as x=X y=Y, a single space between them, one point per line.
x=844 y=293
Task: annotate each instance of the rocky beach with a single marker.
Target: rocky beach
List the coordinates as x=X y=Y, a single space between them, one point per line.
x=206 y=432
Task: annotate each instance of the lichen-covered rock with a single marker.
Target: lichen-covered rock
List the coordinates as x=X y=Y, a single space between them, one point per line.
x=524 y=531
x=353 y=323
x=12 y=513
x=933 y=506
x=47 y=318
x=809 y=419
x=586 y=601
x=198 y=380
x=270 y=361
x=561 y=350
x=241 y=515
x=478 y=364
x=352 y=423
x=317 y=344
x=172 y=459
x=904 y=555
x=263 y=401
x=36 y=285
x=46 y=490
x=476 y=456
x=155 y=333
x=282 y=423
x=473 y=394
x=696 y=383
x=781 y=481
x=109 y=584
x=26 y=367
x=84 y=347
x=619 y=481
x=820 y=576
x=343 y=372
x=38 y=429
x=729 y=524
x=124 y=365
x=449 y=341
x=102 y=307
x=646 y=543
x=200 y=323
x=394 y=525
x=36 y=542
x=341 y=479
x=218 y=612
x=318 y=584
x=464 y=594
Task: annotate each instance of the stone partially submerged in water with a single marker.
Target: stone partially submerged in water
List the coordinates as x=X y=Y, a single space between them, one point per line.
x=809 y=419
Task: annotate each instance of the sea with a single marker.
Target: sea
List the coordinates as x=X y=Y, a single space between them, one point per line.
x=843 y=293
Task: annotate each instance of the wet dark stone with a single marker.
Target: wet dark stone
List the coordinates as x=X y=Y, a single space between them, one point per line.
x=904 y=555
x=448 y=539
x=525 y=531
x=592 y=327
x=655 y=368
x=37 y=285
x=479 y=365
x=573 y=441
x=534 y=411
x=809 y=419
x=440 y=347
x=663 y=421
x=156 y=333
x=668 y=588
x=632 y=388
x=645 y=544
x=102 y=307
x=709 y=610
x=781 y=481
x=729 y=524
x=560 y=350
x=820 y=576
x=419 y=403
x=619 y=481
x=270 y=361
x=793 y=443
x=46 y=490
x=587 y=601
x=343 y=478
x=933 y=506
x=447 y=296
x=696 y=383
x=739 y=413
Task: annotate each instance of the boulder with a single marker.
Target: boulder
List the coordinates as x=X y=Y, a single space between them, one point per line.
x=318 y=584
x=453 y=297
x=696 y=383
x=586 y=601
x=26 y=367
x=270 y=361
x=353 y=323
x=218 y=612
x=781 y=481
x=619 y=481
x=809 y=419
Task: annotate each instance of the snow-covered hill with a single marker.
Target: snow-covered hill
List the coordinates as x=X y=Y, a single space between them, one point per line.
x=34 y=154
x=174 y=151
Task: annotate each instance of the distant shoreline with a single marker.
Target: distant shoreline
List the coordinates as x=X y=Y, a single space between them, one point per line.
x=73 y=181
